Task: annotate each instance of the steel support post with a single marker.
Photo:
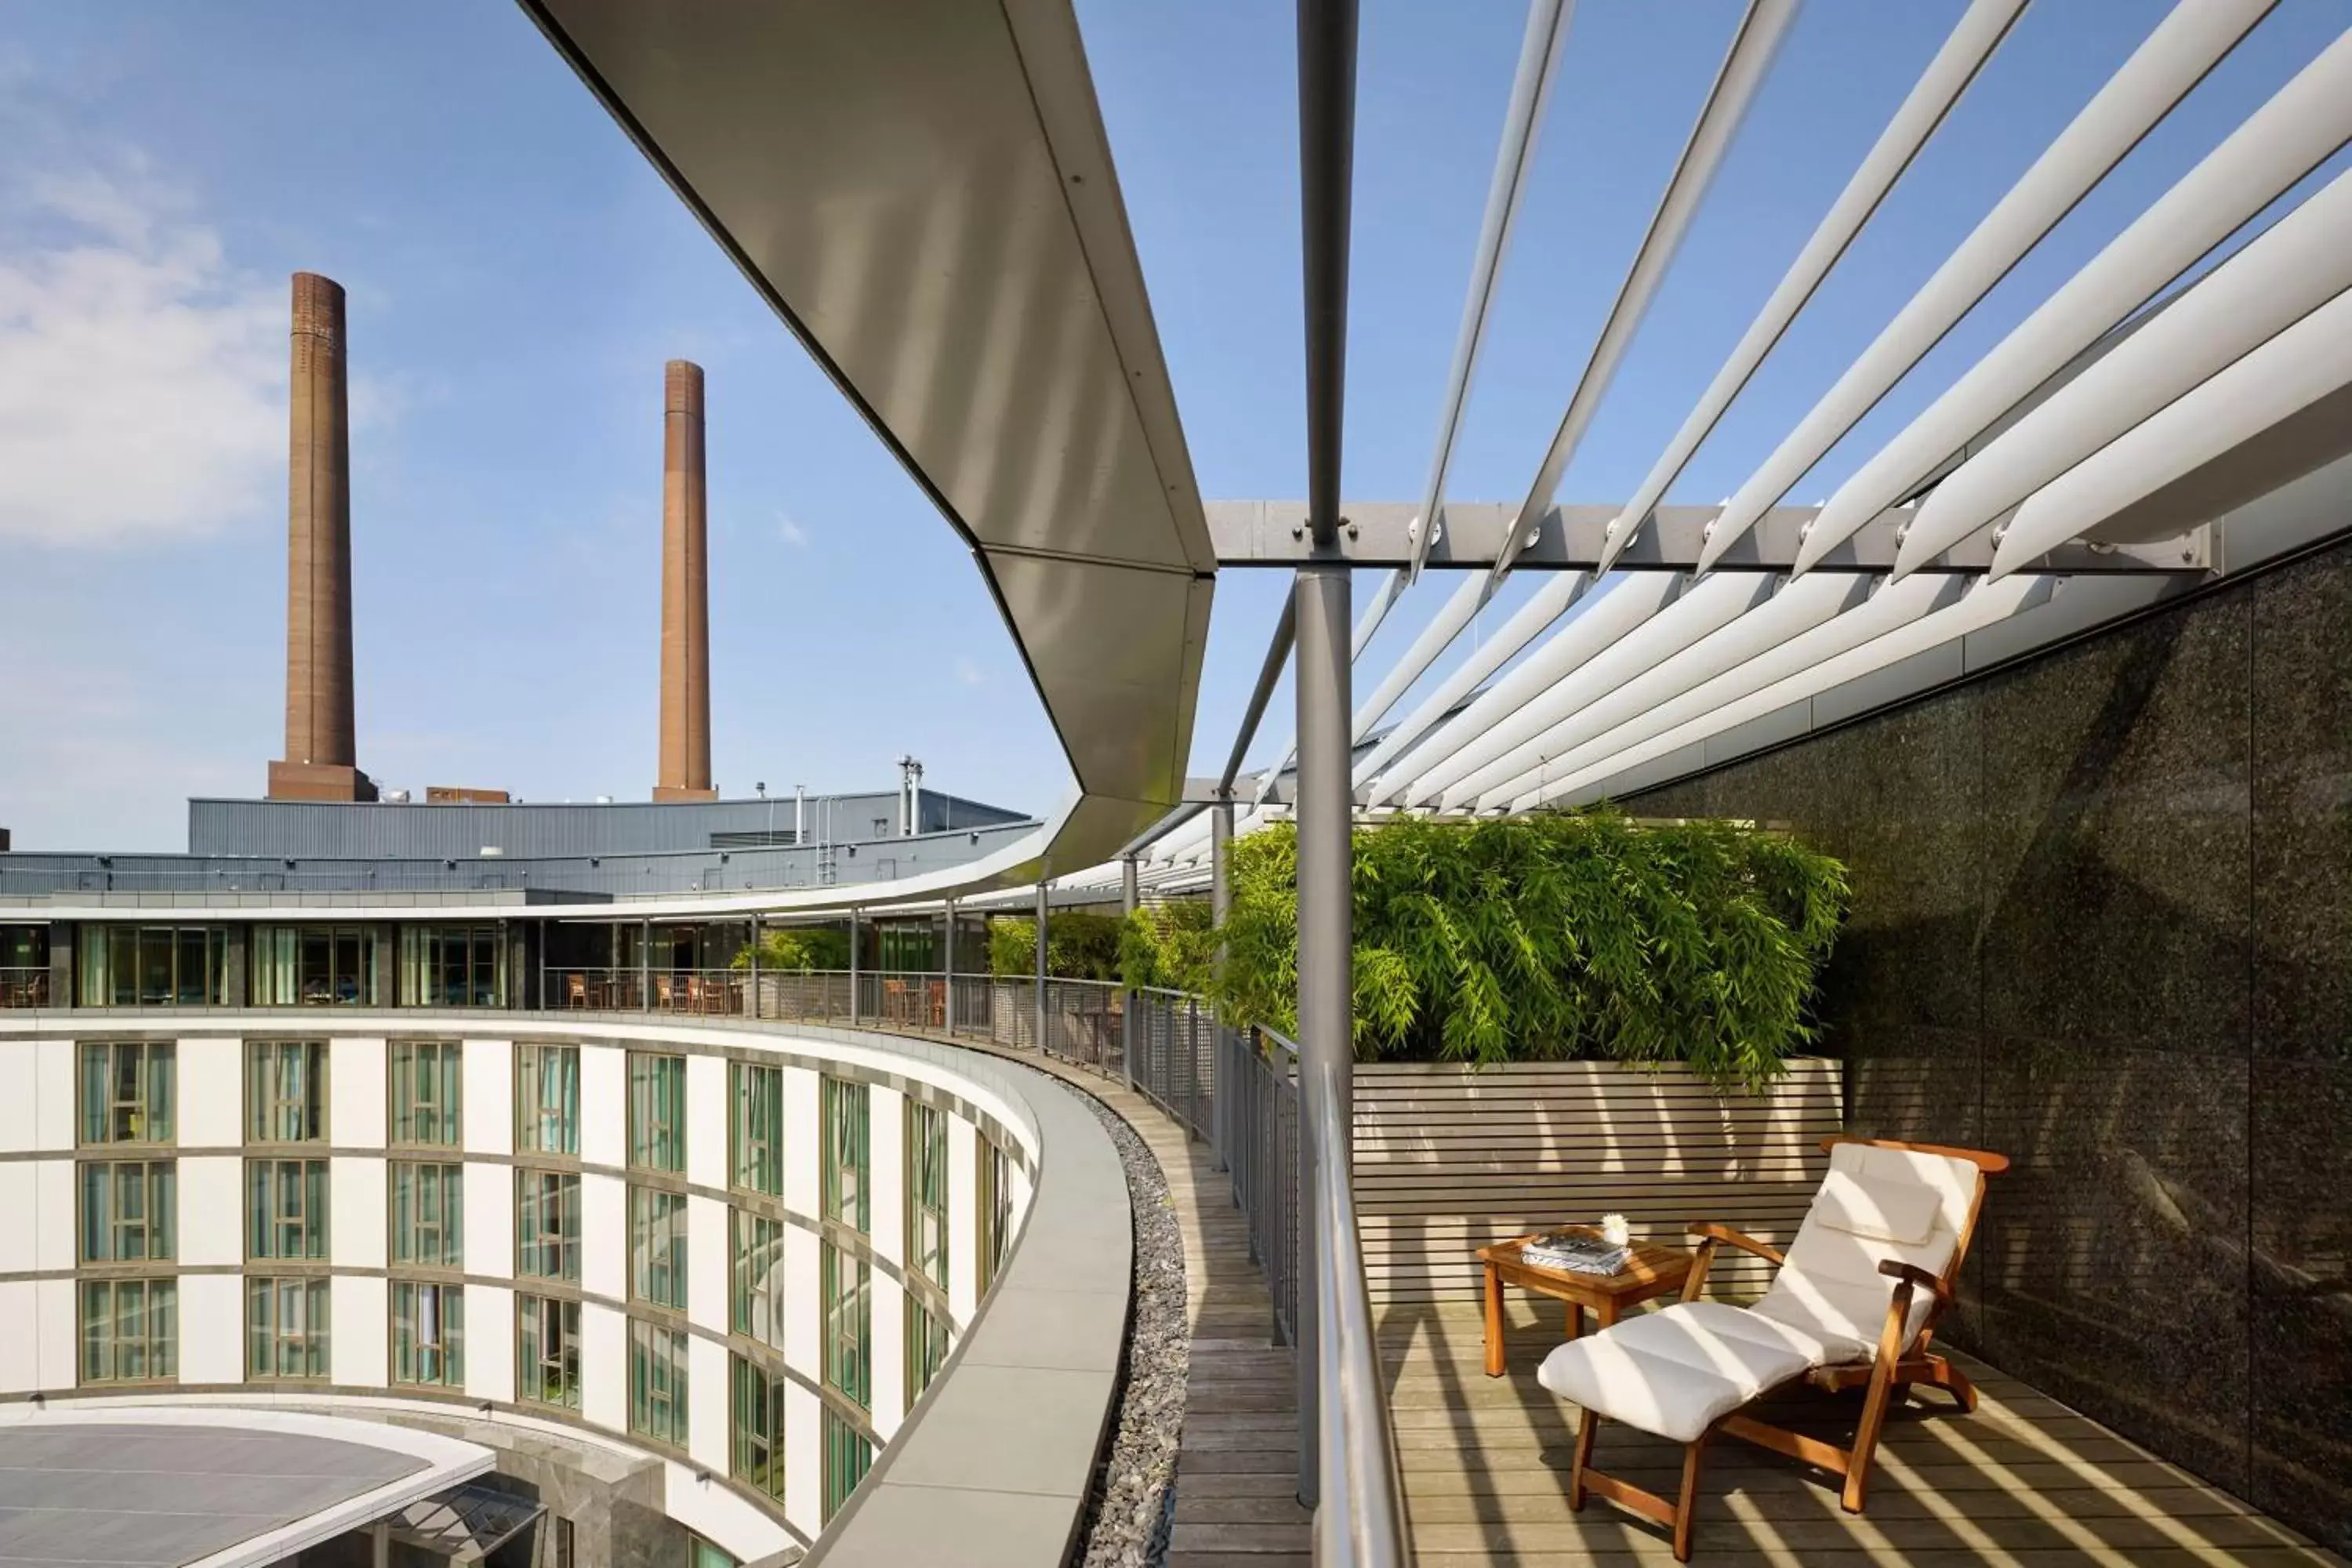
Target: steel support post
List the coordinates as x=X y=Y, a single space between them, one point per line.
x=1129 y=897
x=948 y=962
x=1041 y=874
x=1220 y=904
x=755 y=1008
x=852 y=964
x=646 y=965
x=1326 y=936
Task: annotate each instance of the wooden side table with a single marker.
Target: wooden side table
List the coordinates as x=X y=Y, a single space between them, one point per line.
x=1655 y=1271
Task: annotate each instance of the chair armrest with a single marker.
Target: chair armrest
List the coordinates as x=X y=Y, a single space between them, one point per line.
x=1712 y=1235
x=1895 y=1268
x=1739 y=1238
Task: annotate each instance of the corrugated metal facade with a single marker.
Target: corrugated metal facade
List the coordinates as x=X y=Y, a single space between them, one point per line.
x=313 y=830
x=32 y=875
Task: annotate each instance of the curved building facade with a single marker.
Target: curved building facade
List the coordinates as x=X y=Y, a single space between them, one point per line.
x=737 y=1254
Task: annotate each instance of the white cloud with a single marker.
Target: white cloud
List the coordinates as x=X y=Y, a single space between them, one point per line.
x=790 y=533
x=142 y=378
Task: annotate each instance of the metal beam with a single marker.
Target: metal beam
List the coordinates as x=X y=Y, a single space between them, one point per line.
x=1574 y=537
x=1277 y=654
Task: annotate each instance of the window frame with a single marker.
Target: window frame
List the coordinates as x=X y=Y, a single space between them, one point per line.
x=532 y=1115
x=410 y=1121
x=657 y=1119
x=157 y=1188
x=656 y=1349
x=266 y=1105
x=449 y=1319
x=658 y=1246
x=926 y=1198
x=266 y=1173
x=748 y=1232
x=929 y=1340
x=566 y=1237
x=447 y=1182
x=751 y=1386
x=752 y=1151
x=532 y=1312
x=848 y=1458
x=318 y=1325
x=157 y=1344
x=845 y=1323
x=845 y=1123
x=157 y=1062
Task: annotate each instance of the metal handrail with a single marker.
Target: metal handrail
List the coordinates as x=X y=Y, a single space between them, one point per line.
x=1359 y=1520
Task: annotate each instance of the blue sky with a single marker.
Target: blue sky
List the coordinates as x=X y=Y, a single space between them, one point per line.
x=518 y=275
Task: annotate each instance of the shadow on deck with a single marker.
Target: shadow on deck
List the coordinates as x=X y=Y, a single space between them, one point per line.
x=2022 y=1480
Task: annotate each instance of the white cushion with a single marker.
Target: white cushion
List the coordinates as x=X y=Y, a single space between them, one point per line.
x=1830 y=1287
x=1880 y=1211
x=1675 y=1372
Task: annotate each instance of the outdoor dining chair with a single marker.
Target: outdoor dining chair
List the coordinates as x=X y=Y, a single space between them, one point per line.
x=1855 y=1303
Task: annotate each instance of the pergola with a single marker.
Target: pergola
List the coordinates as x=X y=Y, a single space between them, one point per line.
x=924 y=194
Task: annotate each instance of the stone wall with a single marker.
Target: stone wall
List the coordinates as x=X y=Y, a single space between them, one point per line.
x=2102 y=922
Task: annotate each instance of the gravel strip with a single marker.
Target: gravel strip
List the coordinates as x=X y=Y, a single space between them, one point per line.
x=1127 y=1521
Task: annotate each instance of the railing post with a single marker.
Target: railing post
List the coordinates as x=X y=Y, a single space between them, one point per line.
x=948 y=991
x=755 y=966
x=1041 y=874
x=646 y=965
x=1325 y=810
x=853 y=966
x=1129 y=896
x=1221 y=904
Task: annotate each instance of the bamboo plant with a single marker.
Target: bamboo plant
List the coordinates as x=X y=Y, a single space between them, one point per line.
x=1553 y=937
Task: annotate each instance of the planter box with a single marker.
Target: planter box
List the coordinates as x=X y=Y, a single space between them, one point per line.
x=1449 y=1157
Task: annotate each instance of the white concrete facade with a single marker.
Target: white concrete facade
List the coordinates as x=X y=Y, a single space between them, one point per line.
x=39 y=1256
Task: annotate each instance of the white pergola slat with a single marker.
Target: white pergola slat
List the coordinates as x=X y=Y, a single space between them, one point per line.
x=2304 y=260
x=1701 y=609
x=1979 y=31
x=1981 y=606
x=2300 y=378
x=1796 y=608
x=2185 y=46
x=2285 y=139
x=1892 y=607
x=1627 y=601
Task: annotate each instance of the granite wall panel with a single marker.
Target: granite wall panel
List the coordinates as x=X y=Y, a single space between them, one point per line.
x=2102 y=922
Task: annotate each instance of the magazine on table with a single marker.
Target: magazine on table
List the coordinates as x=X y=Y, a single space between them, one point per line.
x=1575 y=1252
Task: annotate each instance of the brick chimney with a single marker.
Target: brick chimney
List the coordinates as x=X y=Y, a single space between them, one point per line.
x=686 y=594
x=321 y=760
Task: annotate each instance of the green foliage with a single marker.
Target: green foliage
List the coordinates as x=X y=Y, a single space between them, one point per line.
x=1173 y=945
x=1079 y=946
x=801 y=950
x=1538 y=938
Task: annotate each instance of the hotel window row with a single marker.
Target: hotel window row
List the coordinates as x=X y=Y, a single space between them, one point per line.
x=307 y=965
x=127 y=1200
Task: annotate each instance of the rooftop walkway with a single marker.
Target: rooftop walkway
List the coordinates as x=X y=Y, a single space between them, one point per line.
x=2022 y=1481
x=1237 y=1470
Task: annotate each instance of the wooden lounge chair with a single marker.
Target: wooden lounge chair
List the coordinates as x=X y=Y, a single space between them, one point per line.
x=1854 y=1304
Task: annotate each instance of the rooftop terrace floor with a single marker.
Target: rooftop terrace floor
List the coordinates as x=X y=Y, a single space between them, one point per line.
x=2023 y=1481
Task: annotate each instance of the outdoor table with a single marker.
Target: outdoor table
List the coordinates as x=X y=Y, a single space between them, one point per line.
x=1654 y=1271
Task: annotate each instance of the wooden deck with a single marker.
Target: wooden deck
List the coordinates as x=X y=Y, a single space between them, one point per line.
x=2024 y=1481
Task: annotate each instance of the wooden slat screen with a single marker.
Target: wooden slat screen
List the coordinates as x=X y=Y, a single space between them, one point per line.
x=1449 y=1157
